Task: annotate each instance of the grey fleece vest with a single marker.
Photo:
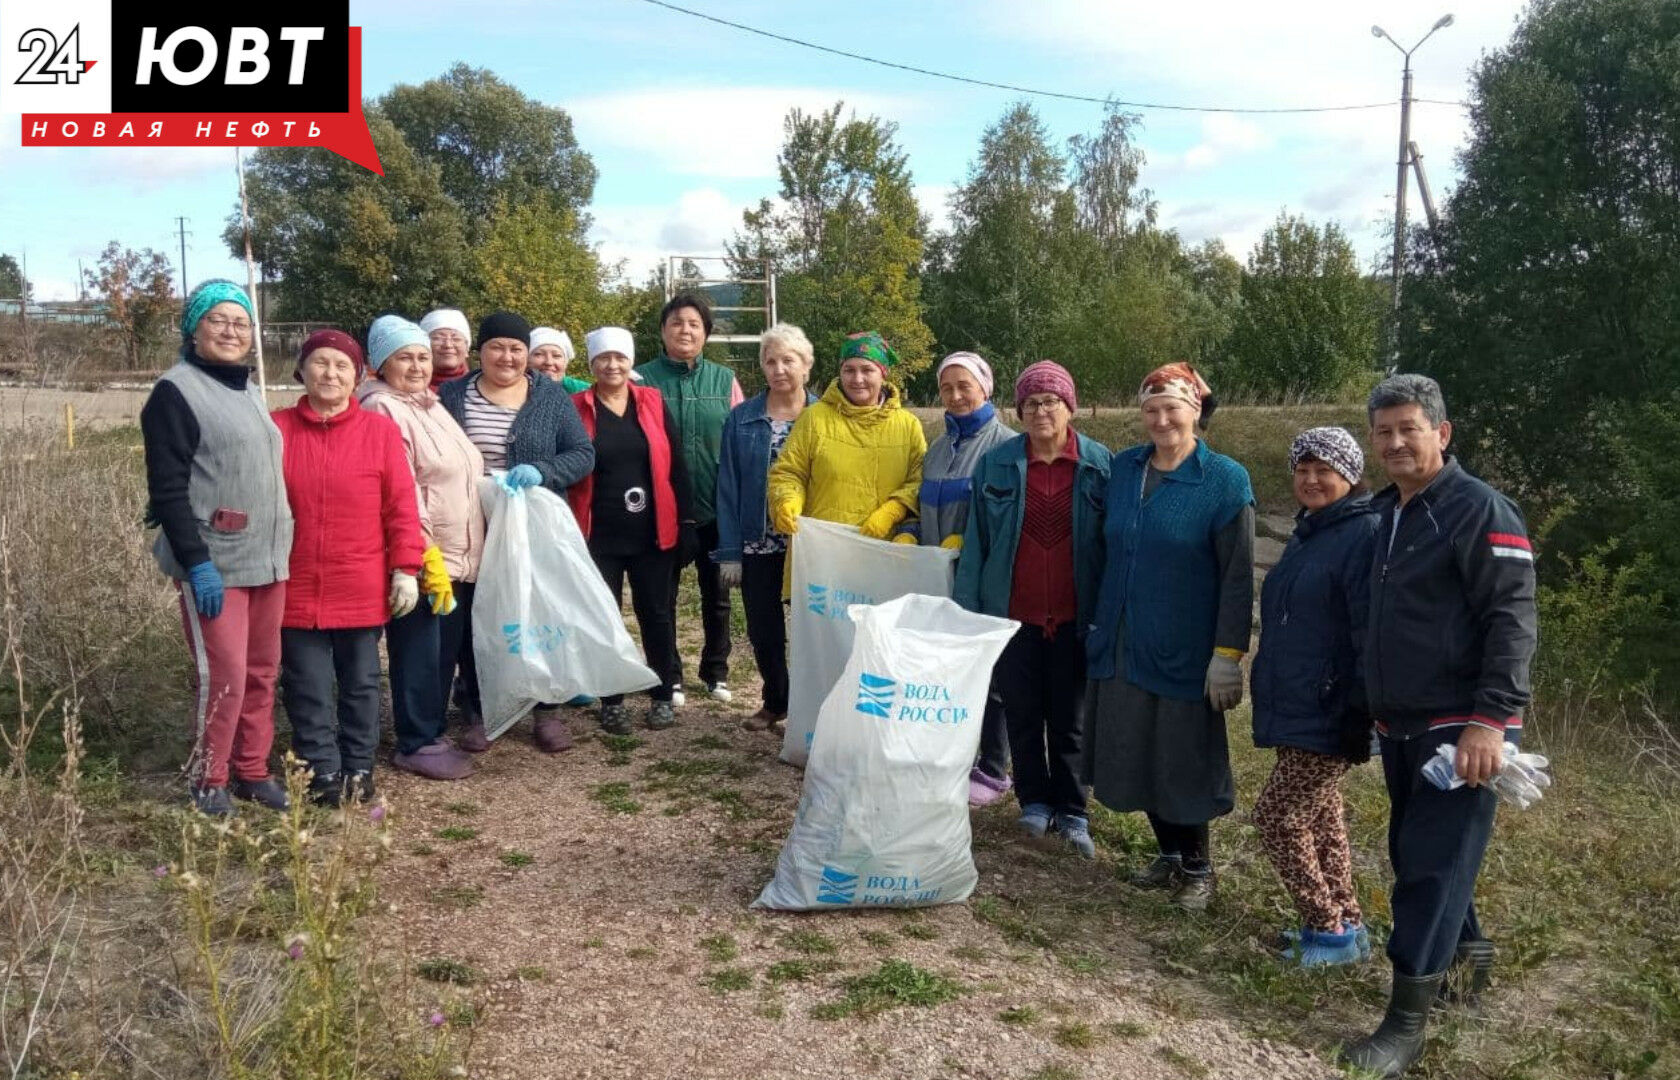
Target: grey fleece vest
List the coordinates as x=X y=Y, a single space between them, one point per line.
x=237 y=467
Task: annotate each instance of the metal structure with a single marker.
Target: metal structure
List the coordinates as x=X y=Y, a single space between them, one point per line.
x=1407 y=148
x=727 y=289
x=1423 y=190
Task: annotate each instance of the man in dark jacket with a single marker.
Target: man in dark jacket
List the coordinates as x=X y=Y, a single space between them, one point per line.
x=1451 y=634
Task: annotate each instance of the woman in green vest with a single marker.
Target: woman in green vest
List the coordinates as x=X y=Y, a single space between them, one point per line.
x=1172 y=624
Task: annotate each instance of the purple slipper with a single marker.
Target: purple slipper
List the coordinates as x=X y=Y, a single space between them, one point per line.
x=438 y=760
x=984 y=790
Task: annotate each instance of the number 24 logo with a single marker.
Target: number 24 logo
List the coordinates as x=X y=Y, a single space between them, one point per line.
x=52 y=63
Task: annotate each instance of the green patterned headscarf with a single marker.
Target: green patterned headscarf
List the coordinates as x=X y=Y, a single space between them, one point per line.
x=870 y=346
x=208 y=295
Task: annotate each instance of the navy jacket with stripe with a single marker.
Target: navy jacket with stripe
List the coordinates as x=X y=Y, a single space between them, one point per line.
x=1452 y=623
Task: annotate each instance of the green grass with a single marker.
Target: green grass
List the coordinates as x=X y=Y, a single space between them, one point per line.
x=802 y=969
x=531 y=973
x=1186 y=1064
x=457 y=832
x=895 y=984
x=719 y=948
x=879 y=939
x=728 y=980
x=1077 y=1035
x=459 y=897
x=1053 y=1072
x=462 y=809
x=518 y=860
x=640 y=952
x=1020 y=1015
x=614 y=797
x=443 y=970
x=919 y=931
x=808 y=942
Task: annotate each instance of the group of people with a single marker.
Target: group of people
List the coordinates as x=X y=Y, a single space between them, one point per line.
x=298 y=540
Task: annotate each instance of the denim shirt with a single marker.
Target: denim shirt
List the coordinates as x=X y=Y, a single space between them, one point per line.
x=743 y=469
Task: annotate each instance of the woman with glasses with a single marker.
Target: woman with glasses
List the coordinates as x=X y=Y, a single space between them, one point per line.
x=216 y=491
x=1032 y=551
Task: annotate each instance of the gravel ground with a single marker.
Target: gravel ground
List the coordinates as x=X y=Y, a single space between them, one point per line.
x=608 y=930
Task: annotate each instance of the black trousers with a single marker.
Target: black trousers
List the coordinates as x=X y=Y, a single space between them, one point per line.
x=1436 y=840
x=312 y=662
x=419 y=689
x=455 y=648
x=651 y=597
x=1041 y=682
x=761 y=596
x=994 y=739
x=714 y=611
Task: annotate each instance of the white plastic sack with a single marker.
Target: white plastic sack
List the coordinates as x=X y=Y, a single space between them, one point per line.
x=545 y=628
x=883 y=817
x=834 y=566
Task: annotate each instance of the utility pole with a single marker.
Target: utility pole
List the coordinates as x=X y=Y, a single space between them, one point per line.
x=181 y=227
x=1405 y=153
x=81 y=282
x=251 y=276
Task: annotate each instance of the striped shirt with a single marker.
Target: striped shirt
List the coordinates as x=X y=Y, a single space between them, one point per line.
x=487 y=427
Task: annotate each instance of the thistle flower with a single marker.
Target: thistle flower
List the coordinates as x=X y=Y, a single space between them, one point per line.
x=436 y=1019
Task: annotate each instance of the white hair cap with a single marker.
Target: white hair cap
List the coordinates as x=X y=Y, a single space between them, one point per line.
x=611 y=339
x=447 y=318
x=547 y=335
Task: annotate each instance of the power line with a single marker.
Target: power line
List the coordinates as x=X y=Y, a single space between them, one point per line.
x=1011 y=87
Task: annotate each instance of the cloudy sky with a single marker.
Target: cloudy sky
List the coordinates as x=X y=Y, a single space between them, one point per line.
x=683 y=117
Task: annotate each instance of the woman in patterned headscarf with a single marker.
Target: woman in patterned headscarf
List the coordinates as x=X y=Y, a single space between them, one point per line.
x=856 y=455
x=1171 y=627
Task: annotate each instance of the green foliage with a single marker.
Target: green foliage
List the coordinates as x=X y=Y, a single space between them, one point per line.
x=847 y=243
x=1308 y=319
x=12 y=285
x=895 y=983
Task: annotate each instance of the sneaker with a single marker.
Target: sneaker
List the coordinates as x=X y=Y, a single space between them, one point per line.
x=615 y=719
x=550 y=731
x=1163 y=873
x=1323 y=948
x=326 y=789
x=437 y=760
x=719 y=691
x=267 y=792
x=358 y=786
x=1034 y=820
x=1076 y=833
x=678 y=699
x=985 y=789
x=213 y=802
x=661 y=715
x=1195 y=890
x=583 y=701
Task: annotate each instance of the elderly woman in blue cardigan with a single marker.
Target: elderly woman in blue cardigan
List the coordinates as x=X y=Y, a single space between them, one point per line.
x=751 y=554
x=1032 y=551
x=526 y=424
x=1172 y=625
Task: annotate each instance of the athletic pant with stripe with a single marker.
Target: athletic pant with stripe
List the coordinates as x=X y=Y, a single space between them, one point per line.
x=236 y=659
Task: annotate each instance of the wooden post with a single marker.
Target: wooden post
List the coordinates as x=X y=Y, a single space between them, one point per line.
x=69 y=426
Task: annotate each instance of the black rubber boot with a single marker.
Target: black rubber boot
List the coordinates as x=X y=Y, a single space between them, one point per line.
x=1468 y=976
x=1398 y=1041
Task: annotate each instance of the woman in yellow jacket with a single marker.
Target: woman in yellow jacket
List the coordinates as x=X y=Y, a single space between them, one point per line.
x=855 y=457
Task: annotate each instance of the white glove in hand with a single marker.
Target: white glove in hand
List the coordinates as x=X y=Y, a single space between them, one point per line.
x=1224 y=685
x=729 y=575
x=1521 y=778
x=405 y=593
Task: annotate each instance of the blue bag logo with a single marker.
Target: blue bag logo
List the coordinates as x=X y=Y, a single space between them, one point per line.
x=836 y=887
x=875 y=695
x=523 y=640
x=816 y=599
x=832 y=603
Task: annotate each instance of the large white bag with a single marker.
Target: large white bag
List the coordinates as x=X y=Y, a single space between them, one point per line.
x=833 y=566
x=883 y=817
x=545 y=628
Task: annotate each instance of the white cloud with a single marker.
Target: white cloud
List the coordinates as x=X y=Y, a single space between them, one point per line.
x=935 y=201
x=717 y=131
x=698 y=223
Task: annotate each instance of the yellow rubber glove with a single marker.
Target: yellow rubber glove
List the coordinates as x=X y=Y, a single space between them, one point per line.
x=952 y=542
x=879 y=525
x=784 y=518
x=435 y=583
x=905 y=538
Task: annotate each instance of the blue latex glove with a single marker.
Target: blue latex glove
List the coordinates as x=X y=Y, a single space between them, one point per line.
x=520 y=477
x=206 y=582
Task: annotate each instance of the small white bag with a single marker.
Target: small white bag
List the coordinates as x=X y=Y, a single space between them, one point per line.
x=883 y=817
x=835 y=566
x=545 y=628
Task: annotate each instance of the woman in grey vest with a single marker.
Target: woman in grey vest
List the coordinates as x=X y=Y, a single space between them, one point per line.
x=216 y=494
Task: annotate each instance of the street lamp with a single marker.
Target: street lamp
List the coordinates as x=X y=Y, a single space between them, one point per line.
x=1405 y=140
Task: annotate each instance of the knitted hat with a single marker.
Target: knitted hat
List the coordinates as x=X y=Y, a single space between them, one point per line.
x=1046 y=377
x=505 y=324
x=208 y=294
x=977 y=367
x=610 y=339
x=1333 y=446
x=329 y=339
x=390 y=333
x=447 y=318
x=547 y=335
x=870 y=346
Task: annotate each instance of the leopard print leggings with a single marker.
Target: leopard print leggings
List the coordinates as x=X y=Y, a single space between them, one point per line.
x=1299 y=817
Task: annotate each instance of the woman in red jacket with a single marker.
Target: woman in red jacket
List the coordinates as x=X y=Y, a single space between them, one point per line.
x=635 y=509
x=355 y=554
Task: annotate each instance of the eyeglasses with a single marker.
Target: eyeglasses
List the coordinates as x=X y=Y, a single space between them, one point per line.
x=1038 y=405
x=222 y=322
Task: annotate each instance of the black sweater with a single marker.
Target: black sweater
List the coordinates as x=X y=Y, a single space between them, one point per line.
x=170 y=433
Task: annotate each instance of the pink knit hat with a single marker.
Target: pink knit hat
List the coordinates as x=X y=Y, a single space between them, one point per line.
x=1046 y=377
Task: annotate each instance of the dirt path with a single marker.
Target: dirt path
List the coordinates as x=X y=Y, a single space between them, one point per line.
x=600 y=900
